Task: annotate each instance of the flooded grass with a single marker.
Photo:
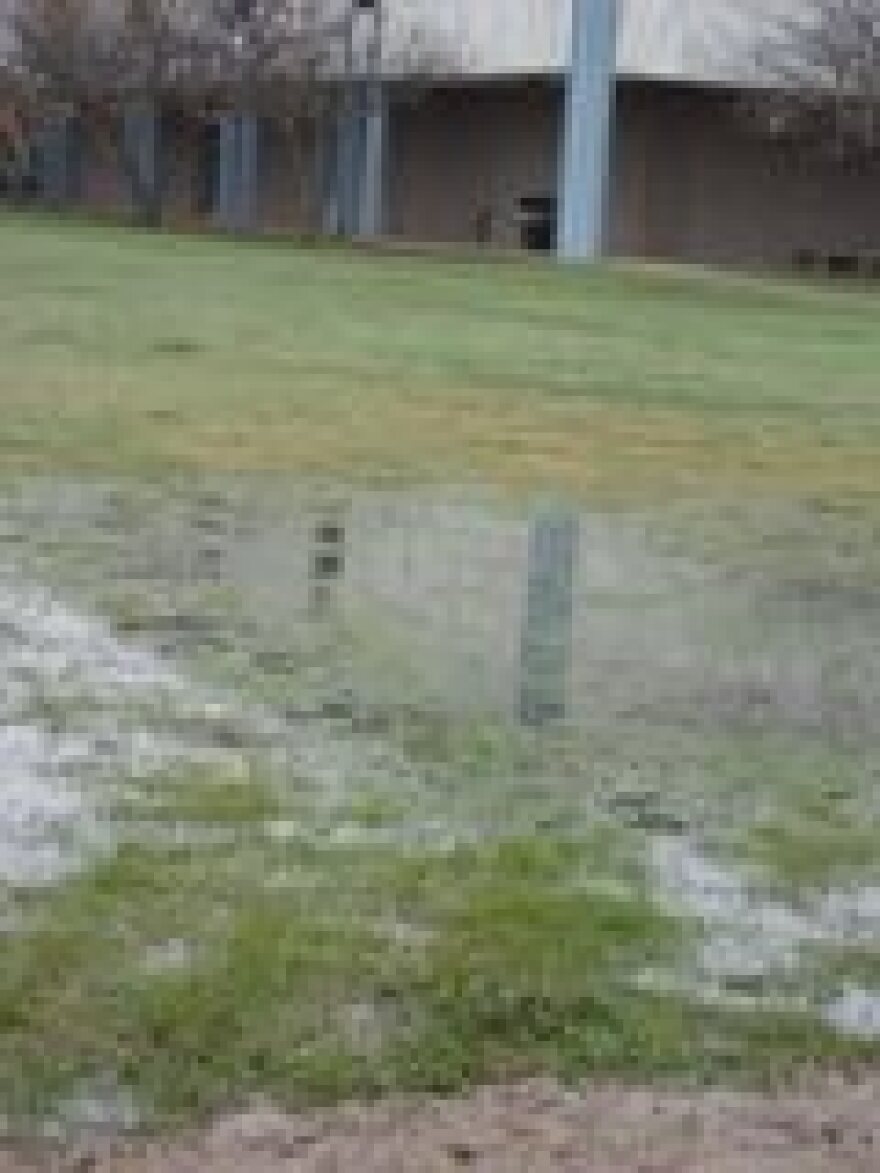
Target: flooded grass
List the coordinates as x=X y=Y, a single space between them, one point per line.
x=315 y=786
x=448 y=790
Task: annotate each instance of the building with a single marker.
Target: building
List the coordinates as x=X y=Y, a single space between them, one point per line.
x=676 y=174
x=588 y=126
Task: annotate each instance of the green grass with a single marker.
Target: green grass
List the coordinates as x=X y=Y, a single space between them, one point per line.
x=205 y=798
x=131 y=352
x=316 y=971
x=312 y=972
x=815 y=853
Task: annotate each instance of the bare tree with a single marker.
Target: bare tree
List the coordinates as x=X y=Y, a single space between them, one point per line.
x=819 y=75
x=97 y=61
x=102 y=61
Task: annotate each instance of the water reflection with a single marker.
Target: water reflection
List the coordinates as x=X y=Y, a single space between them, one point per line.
x=481 y=606
x=552 y=615
x=381 y=610
x=547 y=624
x=462 y=605
x=327 y=564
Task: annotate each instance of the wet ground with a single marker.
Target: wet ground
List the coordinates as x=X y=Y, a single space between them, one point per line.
x=704 y=687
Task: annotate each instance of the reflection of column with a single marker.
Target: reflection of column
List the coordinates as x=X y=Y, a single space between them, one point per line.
x=327 y=566
x=327 y=559
x=546 y=633
x=589 y=115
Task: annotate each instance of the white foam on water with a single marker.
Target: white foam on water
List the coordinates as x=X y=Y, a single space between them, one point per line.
x=854 y=914
x=70 y=695
x=855 y=1013
x=66 y=683
x=745 y=936
x=762 y=942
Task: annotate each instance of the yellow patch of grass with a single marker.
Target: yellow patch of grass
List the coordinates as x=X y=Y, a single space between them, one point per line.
x=593 y=448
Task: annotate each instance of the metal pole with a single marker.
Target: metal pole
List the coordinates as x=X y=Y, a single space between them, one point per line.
x=589 y=114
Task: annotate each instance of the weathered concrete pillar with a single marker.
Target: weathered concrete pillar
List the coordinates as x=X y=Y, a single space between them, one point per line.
x=249 y=172
x=588 y=128
x=142 y=133
x=372 y=217
x=238 y=178
x=227 y=161
x=547 y=624
x=356 y=197
x=328 y=146
x=349 y=174
x=344 y=174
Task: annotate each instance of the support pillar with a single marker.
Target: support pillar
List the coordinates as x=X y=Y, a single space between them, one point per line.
x=355 y=189
x=227 y=184
x=249 y=163
x=349 y=171
x=238 y=173
x=372 y=219
x=355 y=179
x=142 y=132
x=330 y=217
x=589 y=117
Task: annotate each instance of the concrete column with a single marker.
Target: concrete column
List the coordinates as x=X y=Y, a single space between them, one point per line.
x=547 y=626
x=358 y=194
x=346 y=193
x=249 y=173
x=238 y=180
x=227 y=179
x=373 y=166
x=142 y=131
x=348 y=176
x=330 y=217
x=589 y=118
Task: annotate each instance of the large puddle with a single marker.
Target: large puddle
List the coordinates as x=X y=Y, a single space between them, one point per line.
x=77 y=704
x=338 y=636
x=756 y=952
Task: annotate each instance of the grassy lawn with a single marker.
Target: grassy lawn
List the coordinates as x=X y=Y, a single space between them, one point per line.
x=127 y=352
x=397 y=893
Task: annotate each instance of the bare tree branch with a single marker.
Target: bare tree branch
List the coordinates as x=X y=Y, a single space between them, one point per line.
x=292 y=60
x=821 y=73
